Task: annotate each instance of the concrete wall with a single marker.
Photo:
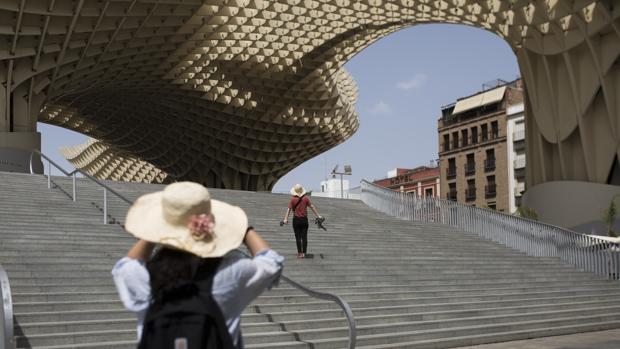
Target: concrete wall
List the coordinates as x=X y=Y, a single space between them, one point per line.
x=575 y=205
x=15 y=149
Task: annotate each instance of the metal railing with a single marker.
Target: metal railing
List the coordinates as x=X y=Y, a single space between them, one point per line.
x=489 y=164
x=72 y=174
x=331 y=297
x=321 y=295
x=7 y=339
x=470 y=168
x=451 y=172
x=346 y=308
x=588 y=253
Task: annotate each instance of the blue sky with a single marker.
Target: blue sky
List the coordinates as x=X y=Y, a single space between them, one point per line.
x=403 y=81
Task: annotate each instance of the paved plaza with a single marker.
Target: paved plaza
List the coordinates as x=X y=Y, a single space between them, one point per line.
x=589 y=340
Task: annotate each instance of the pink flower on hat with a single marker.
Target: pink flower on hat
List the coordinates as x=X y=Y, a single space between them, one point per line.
x=201 y=226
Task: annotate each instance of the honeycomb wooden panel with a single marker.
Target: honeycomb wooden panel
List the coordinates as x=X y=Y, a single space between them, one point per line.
x=236 y=93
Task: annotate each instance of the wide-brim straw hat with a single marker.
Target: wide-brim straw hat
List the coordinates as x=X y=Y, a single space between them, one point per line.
x=298 y=190
x=163 y=217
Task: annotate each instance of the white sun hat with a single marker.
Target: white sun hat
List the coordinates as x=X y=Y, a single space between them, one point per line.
x=298 y=190
x=165 y=217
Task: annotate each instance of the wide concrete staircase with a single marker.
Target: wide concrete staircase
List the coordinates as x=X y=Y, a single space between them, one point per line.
x=411 y=285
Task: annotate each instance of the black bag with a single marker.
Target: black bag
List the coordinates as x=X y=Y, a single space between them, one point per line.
x=189 y=318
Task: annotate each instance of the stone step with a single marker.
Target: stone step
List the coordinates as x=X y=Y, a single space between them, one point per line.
x=410 y=284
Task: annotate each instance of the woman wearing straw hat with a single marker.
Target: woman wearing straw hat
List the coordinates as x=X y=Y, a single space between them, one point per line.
x=299 y=206
x=197 y=260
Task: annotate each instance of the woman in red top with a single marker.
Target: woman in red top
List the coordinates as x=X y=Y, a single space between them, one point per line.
x=299 y=205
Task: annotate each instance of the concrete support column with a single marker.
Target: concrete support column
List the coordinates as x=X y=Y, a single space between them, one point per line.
x=572 y=204
x=15 y=149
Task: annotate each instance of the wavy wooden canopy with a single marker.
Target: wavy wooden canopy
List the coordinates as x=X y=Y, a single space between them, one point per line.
x=236 y=93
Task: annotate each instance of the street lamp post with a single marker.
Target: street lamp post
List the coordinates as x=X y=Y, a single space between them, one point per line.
x=347 y=171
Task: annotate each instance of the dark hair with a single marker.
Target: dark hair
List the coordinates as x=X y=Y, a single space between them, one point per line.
x=171 y=273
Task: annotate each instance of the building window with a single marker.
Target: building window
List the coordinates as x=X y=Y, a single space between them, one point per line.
x=474 y=135
x=464 y=136
x=455 y=139
x=452 y=191
x=446 y=142
x=490 y=191
x=494 y=130
x=470 y=192
x=470 y=166
x=489 y=162
x=484 y=132
x=451 y=172
x=428 y=192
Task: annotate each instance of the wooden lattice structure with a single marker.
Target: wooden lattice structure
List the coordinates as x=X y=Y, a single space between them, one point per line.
x=236 y=93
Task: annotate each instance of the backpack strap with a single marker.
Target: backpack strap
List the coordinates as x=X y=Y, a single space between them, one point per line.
x=298 y=202
x=204 y=280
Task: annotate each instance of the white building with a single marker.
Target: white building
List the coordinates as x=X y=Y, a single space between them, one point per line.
x=516 y=154
x=332 y=188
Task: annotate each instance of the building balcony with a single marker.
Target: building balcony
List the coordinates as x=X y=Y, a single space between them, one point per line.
x=451 y=172
x=470 y=194
x=519 y=162
x=518 y=136
x=490 y=191
x=520 y=173
x=518 y=145
x=470 y=169
x=452 y=195
x=519 y=189
x=489 y=164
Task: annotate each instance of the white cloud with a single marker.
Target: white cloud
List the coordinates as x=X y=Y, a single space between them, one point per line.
x=416 y=82
x=380 y=108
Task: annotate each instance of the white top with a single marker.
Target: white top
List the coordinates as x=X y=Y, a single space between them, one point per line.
x=237 y=282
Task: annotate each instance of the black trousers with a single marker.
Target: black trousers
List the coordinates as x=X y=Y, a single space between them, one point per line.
x=300 y=227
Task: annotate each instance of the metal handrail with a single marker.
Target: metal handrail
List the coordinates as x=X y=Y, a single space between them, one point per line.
x=321 y=295
x=534 y=238
x=331 y=297
x=7 y=339
x=72 y=174
x=346 y=308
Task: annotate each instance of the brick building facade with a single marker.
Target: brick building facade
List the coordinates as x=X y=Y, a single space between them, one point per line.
x=473 y=153
x=423 y=181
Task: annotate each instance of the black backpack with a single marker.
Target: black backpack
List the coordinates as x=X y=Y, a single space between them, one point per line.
x=189 y=318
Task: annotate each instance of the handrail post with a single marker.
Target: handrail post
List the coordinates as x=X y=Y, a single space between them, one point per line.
x=6 y=308
x=73 y=180
x=105 y=206
x=49 y=175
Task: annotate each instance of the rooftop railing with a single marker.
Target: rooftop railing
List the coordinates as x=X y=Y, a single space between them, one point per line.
x=593 y=254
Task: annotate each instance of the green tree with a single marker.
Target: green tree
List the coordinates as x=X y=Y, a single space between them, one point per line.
x=609 y=217
x=527 y=212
